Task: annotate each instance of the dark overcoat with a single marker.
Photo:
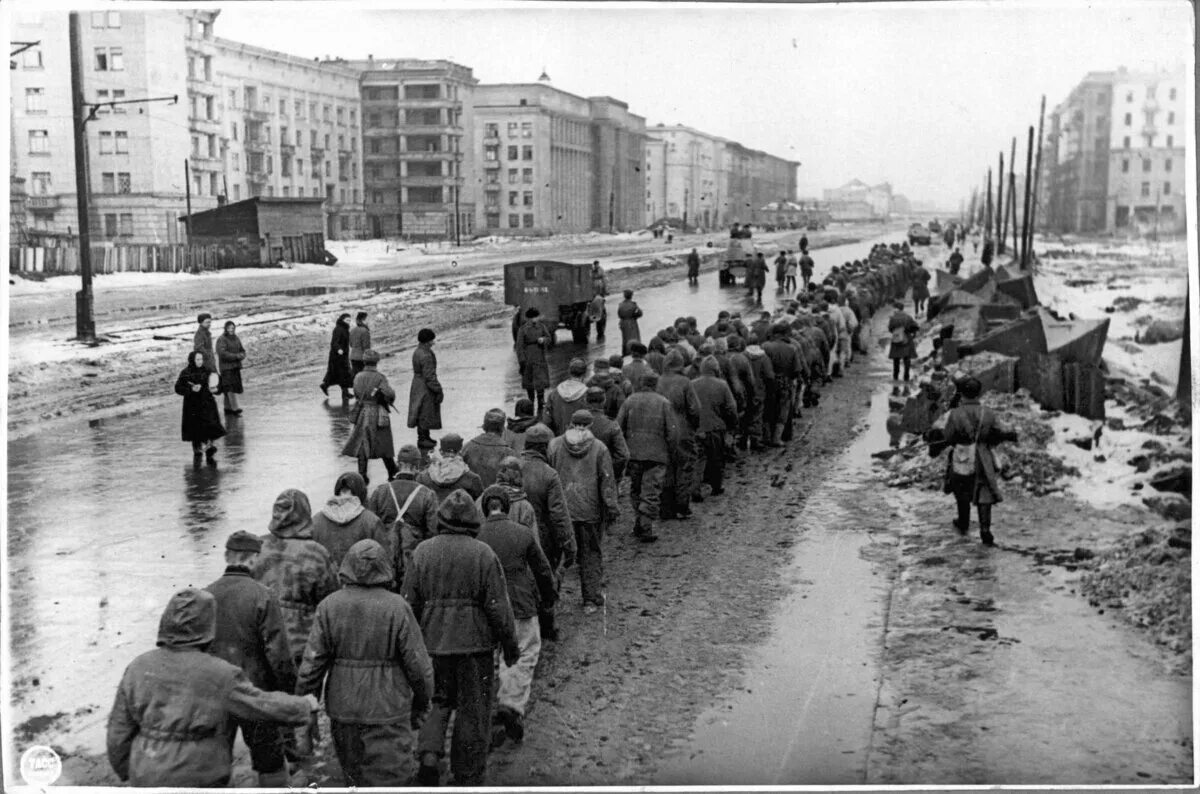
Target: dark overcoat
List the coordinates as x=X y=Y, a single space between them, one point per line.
x=425 y=393
x=201 y=419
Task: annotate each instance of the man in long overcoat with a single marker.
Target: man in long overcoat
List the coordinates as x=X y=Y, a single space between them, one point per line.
x=425 y=394
x=534 y=338
x=372 y=433
x=628 y=313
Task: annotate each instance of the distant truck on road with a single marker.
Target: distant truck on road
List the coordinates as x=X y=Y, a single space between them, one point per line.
x=562 y=291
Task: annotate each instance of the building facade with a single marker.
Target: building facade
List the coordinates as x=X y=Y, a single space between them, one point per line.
x=858 y=201
x=289 y=129
x=550 y=161
x=420 y=169
x=1115 y=152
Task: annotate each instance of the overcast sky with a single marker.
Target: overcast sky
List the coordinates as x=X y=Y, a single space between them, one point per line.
x=923 y=95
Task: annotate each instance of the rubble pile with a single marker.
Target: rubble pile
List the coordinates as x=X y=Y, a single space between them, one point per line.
x=1027 y=464
x=1148 y=577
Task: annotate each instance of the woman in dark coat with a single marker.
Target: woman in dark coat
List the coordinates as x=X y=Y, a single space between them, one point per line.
x=972 y=424
x=201 y=422
x=920 y=289
x=229 y=359
x=533 y=339
x=338 y=372
x=425 y=394
x=903 y=329
x=628 y=313
x=372 y=434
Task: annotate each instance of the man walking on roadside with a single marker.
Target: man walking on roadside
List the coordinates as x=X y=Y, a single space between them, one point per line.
x=681 y=481
x=693 y=267
x=545 y=492
x=407 y=508
x=360 y=342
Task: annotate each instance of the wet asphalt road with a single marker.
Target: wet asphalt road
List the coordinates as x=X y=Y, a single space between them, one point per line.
x=106 y=520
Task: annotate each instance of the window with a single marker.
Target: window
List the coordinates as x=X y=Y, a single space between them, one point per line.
x=493 y=177
x=1126 y=142
x=1124 y=166
x=1167 y=164
x=527 y=198
x=234 y=128
x=299 y=167
x=514 y=221
x=353 y=170
x=513 y=153
x=341 y=143
x=283 y=107
x=213 y=187
x=126 y=224
x=300 y=192
x=1150 y=91
x=526 y=152
x=341 y=116
x=376 y=146
x=109 y=59
x=325 y=112
x=1145 y=188
x=106 y=143
x=237 y=192
x=108 y=182
x=210 y=108
x=1145 y=165
x=512 y=198
x=298 y=109
x=493 y=220
x=1170 y=115
x=1170 y=141
x=1128 y=119
x=31 y=58
x=110 y=225
x=353 y=118
x=526 y=129
x=327 y=141
x=527 y=176
x=124 y=182
x=266 y=105
x=328 y=168
x=109 y=19
x=208 y=68
x=237 y=161
x=39 y=183
x=1171 y=94
x=1166 y=188
x=512 y=130
x=512 y=176
x=287 y=191
x=1129 y=97
x=491 y=153
x=97 y=19
x=35 y=100
x=491 y=130
x=312 y=110
x=528 y=220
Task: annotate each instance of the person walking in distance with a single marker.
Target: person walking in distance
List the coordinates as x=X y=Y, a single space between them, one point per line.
x=903 y=329
x=360 y=342
x=971 y=430
x=425 y=394
x=367 y=654
x=920 y=288
x=806 y=268
x=457 y=592
x=371 y=436
x=585 y=467
x=337 y=372
x=693 y=268
x=530 y=583
x=648 y=423
x=533 y=339
x=170 y=722
x=628 y=313
x=791 y=268
x=756 y=277
x=250 y=636
x=201 y=420
x=203 y=341
x=230 y=354
x=780 y=269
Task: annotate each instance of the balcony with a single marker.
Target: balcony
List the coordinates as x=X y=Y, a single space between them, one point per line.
x=317 y=152
x=287 y=148
x=431 y=129
x=491 y=165
x=1149 y=130
x=206 y=125
x=422 y=155
x=492 y=187
x=257 y=145
x=258 y=176
x=43 y=203
x=427 y=181
x=426 y=103
x=257 y=115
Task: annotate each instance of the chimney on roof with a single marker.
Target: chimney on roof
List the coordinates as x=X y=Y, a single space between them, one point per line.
x=545 y=78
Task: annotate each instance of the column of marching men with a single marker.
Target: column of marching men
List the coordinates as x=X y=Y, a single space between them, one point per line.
x=415 y=614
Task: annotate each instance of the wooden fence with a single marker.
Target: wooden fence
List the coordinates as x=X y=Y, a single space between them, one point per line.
x=64 y=260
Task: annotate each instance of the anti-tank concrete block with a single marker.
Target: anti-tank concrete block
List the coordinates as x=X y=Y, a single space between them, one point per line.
x=994 y=371
x=1022 y=336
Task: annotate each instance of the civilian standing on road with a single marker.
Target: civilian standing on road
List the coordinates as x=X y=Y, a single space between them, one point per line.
x=230 y=354
x=628 y=313
x=780 y=268
x=250 y=635
x=201 y=420
x=337 y=372
x=425 y=395
x=530 y=583
x=448 y=472
x=585 y=467
x=407 y=509
x=756 y=277
x=544 y=488
x=806 y=267
x=955 y=262
x=367 y=655
x=903 y=329
x=345 y=519
x=360 y=342
x=171 y=721
x=371 y=436
x=789 y=273
x=483 y=453
x=533 y=339
x=971 y=474
x=693 y=267
x=203 y=341
x=457 y=592
x=649 y=426
x=295 y=567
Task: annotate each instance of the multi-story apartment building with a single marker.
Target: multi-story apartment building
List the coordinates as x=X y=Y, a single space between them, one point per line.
x=290 y=129
x=551 y=161
x=1114 y=153
x=419 y=175
x=135 y=152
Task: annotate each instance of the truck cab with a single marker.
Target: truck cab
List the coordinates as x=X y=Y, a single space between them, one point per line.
x=562 y=291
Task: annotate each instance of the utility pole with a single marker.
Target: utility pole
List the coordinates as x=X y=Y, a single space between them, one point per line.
x=987 y=210
x=1001 y=232
x=1012 y=189
x=85 y=323
x=187 y=193
x=1037 y=173
x=1028 y=185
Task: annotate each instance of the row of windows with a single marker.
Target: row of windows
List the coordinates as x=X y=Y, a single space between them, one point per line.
x=1149 y=138
x=1149 y=118
x=116 y=182
x=1147 y=165
x=1166 y=188
x=328 y=112
x=416 y=195
x=1151 y=90
x=118 y=224
x=492 y=153
x=515 y=199
x=514 y=221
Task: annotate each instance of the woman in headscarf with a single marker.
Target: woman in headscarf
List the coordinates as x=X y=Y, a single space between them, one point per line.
x=337 y=373
x=230 y=353
x=372 y=434
x=201 y=423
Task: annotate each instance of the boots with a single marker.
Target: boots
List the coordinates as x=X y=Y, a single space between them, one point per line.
x=985 y=535
x=546 y=625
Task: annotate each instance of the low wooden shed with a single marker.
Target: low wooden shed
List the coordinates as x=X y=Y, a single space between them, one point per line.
x=260 y=231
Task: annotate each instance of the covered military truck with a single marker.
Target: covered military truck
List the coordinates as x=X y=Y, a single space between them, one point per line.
x=563 y=292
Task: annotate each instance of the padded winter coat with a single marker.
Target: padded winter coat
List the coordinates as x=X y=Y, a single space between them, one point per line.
x=483 y=454
x=250 y=631
x=447 y=474
x=342 y=522
x=544 y=489
x=366 y=648
x=564 y=400
x=527 y=573
x=585 y=468
x=649 y=426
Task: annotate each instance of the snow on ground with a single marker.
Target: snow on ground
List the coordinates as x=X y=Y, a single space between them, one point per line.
x=1132 y=284
x=19 y=285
